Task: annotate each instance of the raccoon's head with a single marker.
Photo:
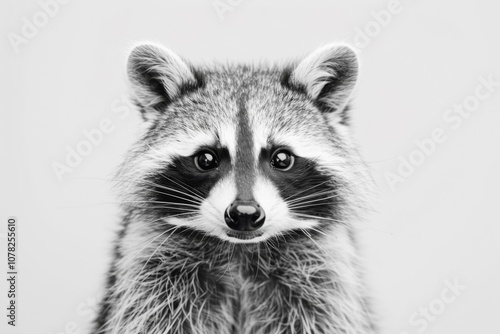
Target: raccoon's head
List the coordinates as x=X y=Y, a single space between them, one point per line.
x=243 y=153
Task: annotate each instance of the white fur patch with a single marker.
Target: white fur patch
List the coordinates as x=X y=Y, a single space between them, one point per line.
x=278 y=217
x=312 y=148
x=228 y=138
x=186 y=146
x=211 y=220
x=261 y=135
x=212 y=209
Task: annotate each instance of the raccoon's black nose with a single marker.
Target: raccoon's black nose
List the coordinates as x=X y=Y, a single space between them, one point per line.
x=244 y=216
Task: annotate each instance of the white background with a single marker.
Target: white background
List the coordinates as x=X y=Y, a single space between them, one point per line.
x=441 y=223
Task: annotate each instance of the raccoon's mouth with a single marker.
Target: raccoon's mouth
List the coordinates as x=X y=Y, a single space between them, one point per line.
x=244 y=235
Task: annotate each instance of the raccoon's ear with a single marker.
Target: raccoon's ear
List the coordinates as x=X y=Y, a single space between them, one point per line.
x=328 y=76
x=158 y=76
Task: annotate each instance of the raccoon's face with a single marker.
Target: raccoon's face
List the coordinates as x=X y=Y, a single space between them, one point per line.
x=243 y=153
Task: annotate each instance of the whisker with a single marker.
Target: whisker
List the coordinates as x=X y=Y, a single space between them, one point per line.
x=166 y=207
x=316 y=230
x=317 y=217
x=344 y=188
x=316 y=200
x=194 y=191
x=162 y=202
x=307 y=189
x=299 y=207
x=140 y=185
x=190 y=197
x=310 y=196
x=152 y=239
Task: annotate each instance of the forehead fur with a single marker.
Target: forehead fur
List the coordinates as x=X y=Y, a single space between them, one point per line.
x=268 y=101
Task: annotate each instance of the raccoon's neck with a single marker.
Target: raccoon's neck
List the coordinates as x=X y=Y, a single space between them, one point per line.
x=200 y=285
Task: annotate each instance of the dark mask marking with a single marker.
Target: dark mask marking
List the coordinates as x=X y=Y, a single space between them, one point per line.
x=244 y=166
x=180 y=187
x=304 y=188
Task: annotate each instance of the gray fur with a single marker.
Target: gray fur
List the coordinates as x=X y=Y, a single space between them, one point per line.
x=192 y=282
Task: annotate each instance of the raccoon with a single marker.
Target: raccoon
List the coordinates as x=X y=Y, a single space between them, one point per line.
x=239 y=200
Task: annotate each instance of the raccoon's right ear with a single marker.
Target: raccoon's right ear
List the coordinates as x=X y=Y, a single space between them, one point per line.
x=158 y=76
x=327 y=76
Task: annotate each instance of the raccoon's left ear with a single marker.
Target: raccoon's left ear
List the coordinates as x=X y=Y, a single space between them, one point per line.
x=328 y=76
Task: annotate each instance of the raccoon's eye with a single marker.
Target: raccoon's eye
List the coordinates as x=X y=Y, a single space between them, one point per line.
x=283 y=160
x=206 y=160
